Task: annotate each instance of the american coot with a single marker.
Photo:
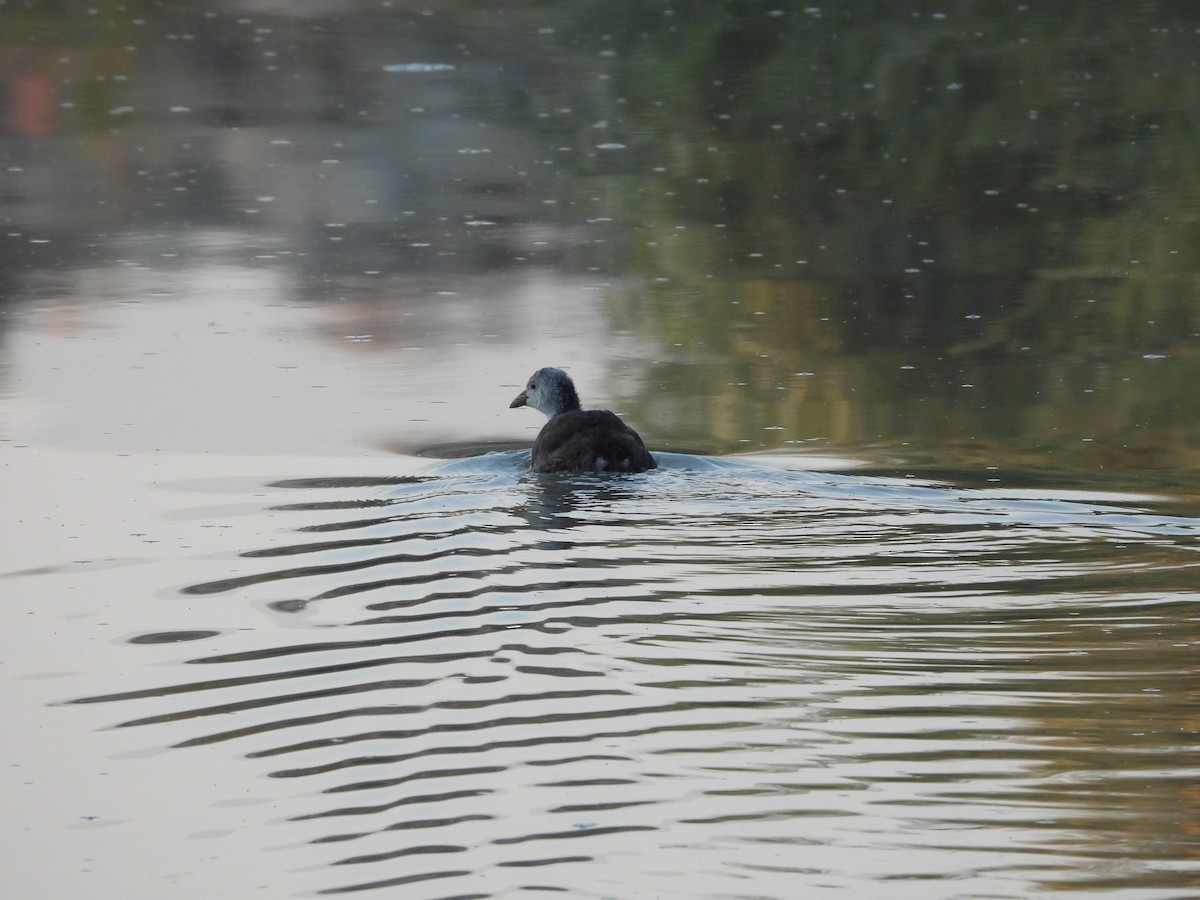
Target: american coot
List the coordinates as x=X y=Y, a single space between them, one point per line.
x=575 y=439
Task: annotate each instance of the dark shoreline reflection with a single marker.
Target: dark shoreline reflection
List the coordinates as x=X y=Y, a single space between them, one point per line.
x=867 y=226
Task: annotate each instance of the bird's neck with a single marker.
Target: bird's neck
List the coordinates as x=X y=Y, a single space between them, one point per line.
x=568 y=401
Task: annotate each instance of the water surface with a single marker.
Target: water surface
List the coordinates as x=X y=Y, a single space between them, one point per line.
x=902 y=297
x=474 y=680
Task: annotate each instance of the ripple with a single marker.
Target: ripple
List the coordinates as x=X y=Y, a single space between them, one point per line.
x=692 y=671
x=172 y=637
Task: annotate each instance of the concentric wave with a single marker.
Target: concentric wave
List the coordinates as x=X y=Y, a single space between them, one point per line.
x=715 y=679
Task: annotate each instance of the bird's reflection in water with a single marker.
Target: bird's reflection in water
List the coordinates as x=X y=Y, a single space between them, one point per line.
x=558 y=503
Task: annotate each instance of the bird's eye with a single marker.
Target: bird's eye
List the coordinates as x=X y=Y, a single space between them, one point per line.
x=532 y=386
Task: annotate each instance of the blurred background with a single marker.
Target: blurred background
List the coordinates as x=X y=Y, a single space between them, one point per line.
x=956 y=235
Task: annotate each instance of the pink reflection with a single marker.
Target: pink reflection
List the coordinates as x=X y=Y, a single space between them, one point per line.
x=29 y=106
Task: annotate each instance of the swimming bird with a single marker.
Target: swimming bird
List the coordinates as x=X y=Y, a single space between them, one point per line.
x=576 y=439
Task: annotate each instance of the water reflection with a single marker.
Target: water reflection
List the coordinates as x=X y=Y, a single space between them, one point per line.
x=711 y=672
x=958 y=243
x=925 y=246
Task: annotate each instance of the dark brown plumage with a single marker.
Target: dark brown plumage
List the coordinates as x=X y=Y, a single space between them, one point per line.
x=578 y=440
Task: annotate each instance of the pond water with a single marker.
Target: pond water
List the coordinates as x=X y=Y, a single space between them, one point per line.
x=903 y=301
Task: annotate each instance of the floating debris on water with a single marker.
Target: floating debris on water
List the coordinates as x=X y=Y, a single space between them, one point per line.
x=418 y=68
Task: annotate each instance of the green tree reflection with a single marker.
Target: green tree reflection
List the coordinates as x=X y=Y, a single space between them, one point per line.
x=974 y=224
